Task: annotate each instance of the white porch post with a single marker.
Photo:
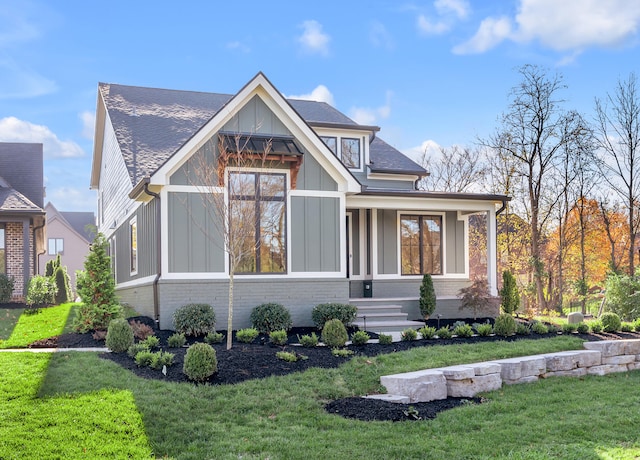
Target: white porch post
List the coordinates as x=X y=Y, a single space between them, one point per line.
x=492 y=252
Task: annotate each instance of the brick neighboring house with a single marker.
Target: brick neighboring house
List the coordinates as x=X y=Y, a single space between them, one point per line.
x=22 y=217
x=68 y=234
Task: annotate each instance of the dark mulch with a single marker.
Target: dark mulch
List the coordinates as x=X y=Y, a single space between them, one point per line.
x=258 y=360
x=13 y=305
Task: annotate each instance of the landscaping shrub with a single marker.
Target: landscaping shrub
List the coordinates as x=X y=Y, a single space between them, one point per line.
x=427 y=332
x=214 y=337
x=623 y=296
x=334 y=333
x=308 y=341
x=200 y=362
x=463 y=330
x=6 y=288
x=385 y=339
x=582 y=328
x=522 y=328
x=63 y=285
x=569 y=328
x=140 y=330
x=41 y=291
x=596 y=327
x=279 y=337
x=144 y=358
x=176 y=340
x=151 y=342
x=119 y=335
x=484 y=329
x=427 y=297
x=636 y=325
x=341 y=352
x=409 y=335
x=270 y=317
x=504 y=325
x=610 y=322
x=161 y=359
x=553 y=329
x=247 y=335
x=539 y=328
x=289 y=356
x=96 y=288
x=475 y=297
x=324 y=312
x=444 y=332
x=509 y=295
x=360 y=338
x=626 y=327
x=136 y=348
x=194 y=319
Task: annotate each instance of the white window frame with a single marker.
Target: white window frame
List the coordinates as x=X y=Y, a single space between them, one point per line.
x=133 y=263
x=56 y=246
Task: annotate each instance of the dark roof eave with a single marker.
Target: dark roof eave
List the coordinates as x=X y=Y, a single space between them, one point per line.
x=139 y=187
x=419 y=173
x=320 y=124
x=440 y=195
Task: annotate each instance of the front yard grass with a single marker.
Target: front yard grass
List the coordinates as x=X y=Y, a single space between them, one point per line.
x=283 y=417
x=27 y=328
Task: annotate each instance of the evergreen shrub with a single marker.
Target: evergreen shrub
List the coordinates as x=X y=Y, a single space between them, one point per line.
x=119 y=335
x=334 y=333
x=322 y=313
x=200 y=362
x=195 y=319
x=270 y=317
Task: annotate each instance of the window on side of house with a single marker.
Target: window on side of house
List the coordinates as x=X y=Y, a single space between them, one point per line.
x=56 y=246
x=331 y=142
x=3 y=254
x=421 y=244
x=133 y=244
x=257 y=205
x=350 y=152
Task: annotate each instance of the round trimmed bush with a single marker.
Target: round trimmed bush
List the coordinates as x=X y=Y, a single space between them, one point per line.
x=360 y=338
x=610 y=322
x=194 y=319
x=334 y=334
x=327 y=311
x=504 y=325
x=200 y=362
x=270 y=317
x=119 y=335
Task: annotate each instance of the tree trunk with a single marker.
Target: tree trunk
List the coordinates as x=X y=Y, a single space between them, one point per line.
x=230 y=314
x=632 y=237
x=583 y=257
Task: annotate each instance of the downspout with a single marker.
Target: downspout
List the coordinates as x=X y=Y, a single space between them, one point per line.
x=156 y=295
x=36 y=255
x=503 y=207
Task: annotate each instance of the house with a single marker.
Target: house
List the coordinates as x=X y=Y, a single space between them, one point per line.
x=350 y=226
x=68 y=234
x=22 y=217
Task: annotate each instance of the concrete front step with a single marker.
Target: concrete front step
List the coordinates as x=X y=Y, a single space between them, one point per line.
x=387 y=326
x=373 y=309
x=384 y=316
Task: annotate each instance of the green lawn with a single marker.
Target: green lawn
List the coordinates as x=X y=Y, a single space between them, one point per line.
x=17 y=330
x=76 y=405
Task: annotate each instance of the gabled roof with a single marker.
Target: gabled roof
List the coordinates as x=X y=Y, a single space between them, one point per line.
x=152 y=124
x=21 y=168
x=83 y=223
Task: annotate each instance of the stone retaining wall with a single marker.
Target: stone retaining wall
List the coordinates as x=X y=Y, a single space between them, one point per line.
x=598 y=358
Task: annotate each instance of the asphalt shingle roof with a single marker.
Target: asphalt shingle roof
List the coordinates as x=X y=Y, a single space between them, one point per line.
x=151 y=124
x=79 y=222
x=21 y=168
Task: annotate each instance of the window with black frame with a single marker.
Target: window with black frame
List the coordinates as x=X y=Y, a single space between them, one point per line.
x=257 y=205
x=421 y=244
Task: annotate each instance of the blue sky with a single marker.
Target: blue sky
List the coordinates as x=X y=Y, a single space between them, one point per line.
x=426 y=72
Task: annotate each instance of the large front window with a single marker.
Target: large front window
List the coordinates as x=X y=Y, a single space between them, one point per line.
x=257 y=222
x=421 y=244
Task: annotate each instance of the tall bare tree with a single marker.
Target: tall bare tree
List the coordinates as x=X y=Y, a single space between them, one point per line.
x=532 y=133
x=244 y=206
x=456 y=169
x=618 y=135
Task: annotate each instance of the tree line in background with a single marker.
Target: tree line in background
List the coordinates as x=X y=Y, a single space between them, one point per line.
x=570 y=228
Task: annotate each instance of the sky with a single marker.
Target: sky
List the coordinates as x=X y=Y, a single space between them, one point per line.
x=428 y=73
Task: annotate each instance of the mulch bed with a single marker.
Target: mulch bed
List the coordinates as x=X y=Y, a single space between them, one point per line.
x=258 y=360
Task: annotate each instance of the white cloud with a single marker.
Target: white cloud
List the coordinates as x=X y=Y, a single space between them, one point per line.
x=313 y=40
x=15 y=27
x=238 y=46
x=428 y=148
x=491 y=32
x=17 y=81
x=369 y=116
x=380 y=36
x=320 y=93
x=448 y=12
x=15 y=130
x=565 y=26
x=72 y=199
x=88 y=124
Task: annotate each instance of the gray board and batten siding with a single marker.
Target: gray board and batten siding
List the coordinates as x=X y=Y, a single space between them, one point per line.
x=315 y=234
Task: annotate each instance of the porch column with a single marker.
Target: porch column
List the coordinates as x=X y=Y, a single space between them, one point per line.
x=26 y=257
x=492 y=251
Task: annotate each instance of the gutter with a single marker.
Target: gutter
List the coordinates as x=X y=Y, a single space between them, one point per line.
x=504 y=205
x=156 y=294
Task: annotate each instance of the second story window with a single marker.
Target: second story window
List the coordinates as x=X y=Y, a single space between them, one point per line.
x=350 y=152
x=331 y=142
x=56 y=246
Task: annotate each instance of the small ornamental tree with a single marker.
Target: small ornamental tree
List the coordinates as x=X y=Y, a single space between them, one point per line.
x=476 y=296
x=427 y=297
x=96 y=288
x=509 y=295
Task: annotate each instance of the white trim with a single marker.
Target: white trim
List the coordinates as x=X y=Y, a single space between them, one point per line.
x=385 y=176
x=349 y=218
x=418 y=203
x=317 y=193
x=192 y=189
x=136 y=282
x=224 y=276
